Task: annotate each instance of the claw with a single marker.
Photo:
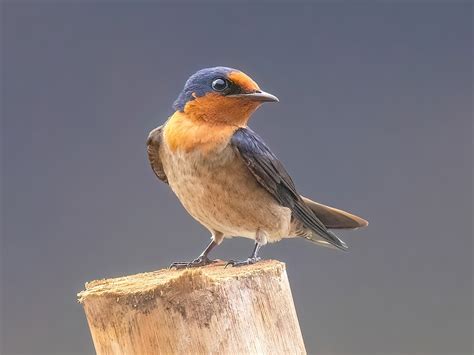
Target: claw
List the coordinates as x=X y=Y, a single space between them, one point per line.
x=178 y=265
x=200 y=261
x=249 y=261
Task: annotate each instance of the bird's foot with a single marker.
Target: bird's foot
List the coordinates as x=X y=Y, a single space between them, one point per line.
x=249 y=261
x=199 y=261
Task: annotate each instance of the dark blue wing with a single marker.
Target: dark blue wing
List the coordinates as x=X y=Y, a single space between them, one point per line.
x=271 y=174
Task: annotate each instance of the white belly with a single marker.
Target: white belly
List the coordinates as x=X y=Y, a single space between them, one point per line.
x=219 y=191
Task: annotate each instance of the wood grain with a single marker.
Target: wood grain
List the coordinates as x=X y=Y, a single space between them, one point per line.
x=209 y=310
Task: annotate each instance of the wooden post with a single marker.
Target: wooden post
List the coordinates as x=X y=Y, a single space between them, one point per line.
x=209 y=310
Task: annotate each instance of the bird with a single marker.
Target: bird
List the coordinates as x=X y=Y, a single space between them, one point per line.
x=225 y=175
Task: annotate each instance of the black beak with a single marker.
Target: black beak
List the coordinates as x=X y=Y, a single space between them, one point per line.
x=261 y=96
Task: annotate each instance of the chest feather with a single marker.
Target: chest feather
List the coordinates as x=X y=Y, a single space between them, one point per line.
x=184 y=134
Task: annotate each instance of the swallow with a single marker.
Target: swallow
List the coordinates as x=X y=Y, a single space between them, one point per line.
x=226 y=177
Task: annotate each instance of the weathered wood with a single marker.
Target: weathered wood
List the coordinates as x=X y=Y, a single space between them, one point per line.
x=210 y=310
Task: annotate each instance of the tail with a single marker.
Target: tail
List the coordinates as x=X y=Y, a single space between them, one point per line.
x=314 y=238
x=333 y=218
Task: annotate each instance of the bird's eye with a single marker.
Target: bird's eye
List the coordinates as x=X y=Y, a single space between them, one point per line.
x=220 y=84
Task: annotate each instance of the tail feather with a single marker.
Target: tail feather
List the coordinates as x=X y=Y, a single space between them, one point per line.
x=334 y=218
x=313 y=238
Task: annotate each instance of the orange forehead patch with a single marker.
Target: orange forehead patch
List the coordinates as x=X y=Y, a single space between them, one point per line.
x=243 y=80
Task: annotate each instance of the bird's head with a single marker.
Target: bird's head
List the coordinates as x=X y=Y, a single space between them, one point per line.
x=221 y=95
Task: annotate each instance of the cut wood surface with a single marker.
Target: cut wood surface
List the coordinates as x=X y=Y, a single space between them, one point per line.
x=208 y=310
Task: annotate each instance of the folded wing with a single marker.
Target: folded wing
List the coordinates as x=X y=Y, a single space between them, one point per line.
x=270 y=173
x=153 y=145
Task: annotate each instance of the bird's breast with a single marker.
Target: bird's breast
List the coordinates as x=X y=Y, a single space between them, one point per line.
x=219 y=191
x=184 y=134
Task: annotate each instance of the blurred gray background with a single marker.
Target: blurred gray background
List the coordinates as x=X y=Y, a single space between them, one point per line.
x=375 y=117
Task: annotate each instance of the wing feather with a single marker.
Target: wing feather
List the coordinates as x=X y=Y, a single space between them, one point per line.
x=271 y=175
x=153 y=145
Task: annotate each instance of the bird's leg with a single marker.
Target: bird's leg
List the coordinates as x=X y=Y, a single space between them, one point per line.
x=252 y=260
x=201 y=260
